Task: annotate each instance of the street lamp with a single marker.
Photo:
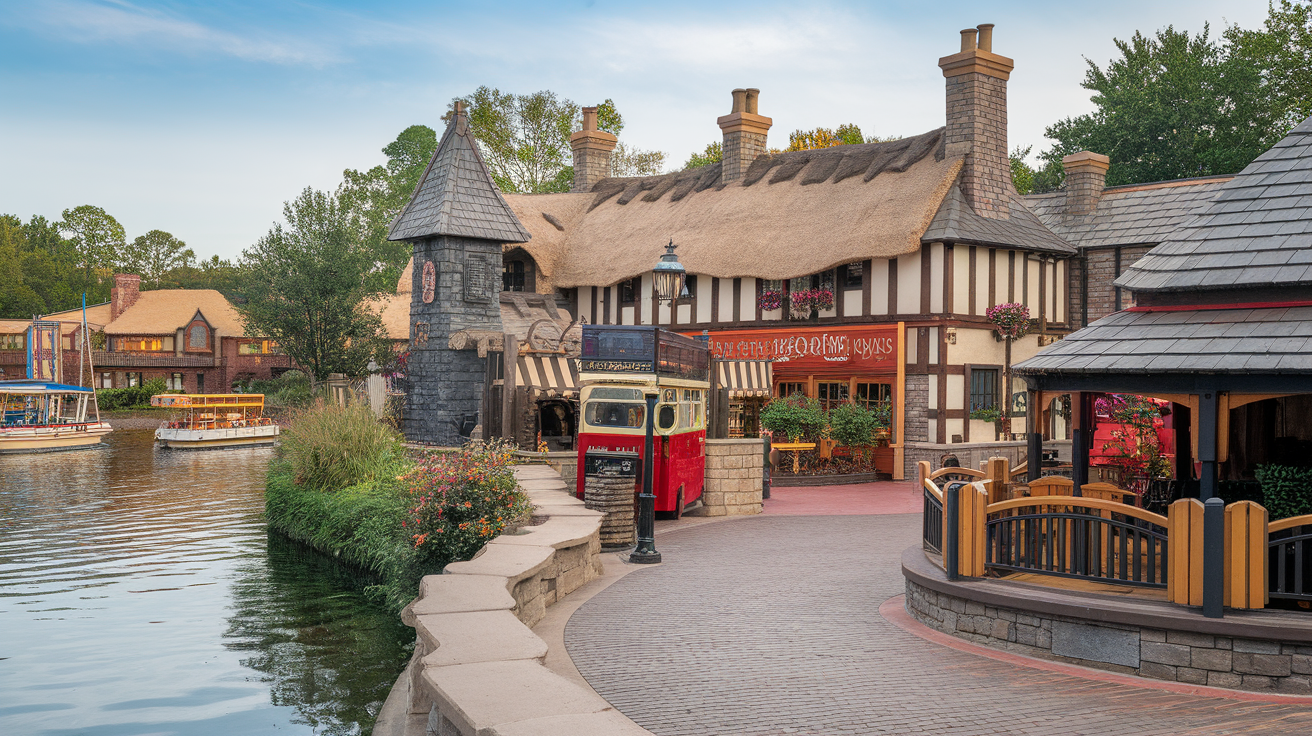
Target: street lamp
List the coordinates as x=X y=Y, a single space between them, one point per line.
x=670 y=276
x=646 y=553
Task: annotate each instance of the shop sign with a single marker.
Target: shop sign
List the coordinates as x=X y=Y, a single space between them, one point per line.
x=858 y=348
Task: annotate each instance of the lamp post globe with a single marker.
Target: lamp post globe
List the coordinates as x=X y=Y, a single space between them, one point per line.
x=670 y=276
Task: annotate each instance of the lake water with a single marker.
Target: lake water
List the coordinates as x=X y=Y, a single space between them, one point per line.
x=140 y=593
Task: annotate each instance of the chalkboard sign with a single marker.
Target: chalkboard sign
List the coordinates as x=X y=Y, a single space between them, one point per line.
x=612 y=463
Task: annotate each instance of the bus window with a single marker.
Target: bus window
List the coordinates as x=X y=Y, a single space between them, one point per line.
x=614 y=414
x=665 y=417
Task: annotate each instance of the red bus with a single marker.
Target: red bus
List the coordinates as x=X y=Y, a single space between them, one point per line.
x=618 y=367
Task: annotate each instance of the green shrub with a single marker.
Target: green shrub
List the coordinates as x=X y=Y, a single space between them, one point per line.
x=330 y=447
x=1286 y=490
x=290 y=389
x=130 y=397
x=852 y=425
x=795 y=418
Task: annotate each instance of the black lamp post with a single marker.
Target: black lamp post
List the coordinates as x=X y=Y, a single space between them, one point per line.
x=668 y=277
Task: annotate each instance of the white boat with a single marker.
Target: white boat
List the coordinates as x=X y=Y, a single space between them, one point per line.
x=212 y=421
x=39 y=416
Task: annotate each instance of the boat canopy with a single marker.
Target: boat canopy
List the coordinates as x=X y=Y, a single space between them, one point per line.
x=197 y=401
x=39 y=388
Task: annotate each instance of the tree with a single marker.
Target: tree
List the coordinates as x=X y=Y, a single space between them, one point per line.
x=1172 y=106
x=807 y=140
x=17 y=299
x=1282 y=50
x=624 y=160
x=713 y=154
x=306 y=285
x=154 y=254
x=524 y=139
x=97 y=237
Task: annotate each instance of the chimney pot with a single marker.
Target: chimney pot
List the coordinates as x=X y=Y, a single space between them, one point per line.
x=986 y=37
x=589 y=118
x=968 y=39
x=739 y=101
x=1086 y=177
x=592 y=149
x=744 y=133
x=752 y=94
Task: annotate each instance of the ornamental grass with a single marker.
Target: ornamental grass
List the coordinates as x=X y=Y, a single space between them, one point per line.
x=331 y=447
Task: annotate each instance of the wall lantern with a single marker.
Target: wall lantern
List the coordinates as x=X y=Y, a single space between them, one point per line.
x=669 y=276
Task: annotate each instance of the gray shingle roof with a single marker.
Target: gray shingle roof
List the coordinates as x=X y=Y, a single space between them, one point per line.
x=456 y=195
x=1267 y=340
x=956 y=222
x=1131 y=215
x=1257 y=231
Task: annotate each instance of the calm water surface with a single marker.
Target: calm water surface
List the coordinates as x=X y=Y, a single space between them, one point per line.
x=141 y=594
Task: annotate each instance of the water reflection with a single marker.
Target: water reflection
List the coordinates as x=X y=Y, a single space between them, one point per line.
x=140 y=593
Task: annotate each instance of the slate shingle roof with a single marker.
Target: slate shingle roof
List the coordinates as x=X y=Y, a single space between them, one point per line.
x=956 y=222
x=1265 y=340
x=456 y=195
x=1143 y=214
x=1257 y=231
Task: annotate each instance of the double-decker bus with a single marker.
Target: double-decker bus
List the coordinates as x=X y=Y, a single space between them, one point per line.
x=619 y=366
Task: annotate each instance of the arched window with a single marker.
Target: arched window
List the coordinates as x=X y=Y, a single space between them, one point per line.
x=512 y=276
x=198 y=338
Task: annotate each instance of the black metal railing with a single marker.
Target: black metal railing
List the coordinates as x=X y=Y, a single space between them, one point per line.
x=1077 y=543
x=1289 y=568
x=932 y=523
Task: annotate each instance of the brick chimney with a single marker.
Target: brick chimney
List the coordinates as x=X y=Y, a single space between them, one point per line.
x=977 y=120
x=1086 y=177
x=744 y=134
x=127 y=287
x=592 y=149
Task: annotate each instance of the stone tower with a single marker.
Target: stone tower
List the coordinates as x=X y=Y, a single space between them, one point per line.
x=456 y=221
x=977 y=121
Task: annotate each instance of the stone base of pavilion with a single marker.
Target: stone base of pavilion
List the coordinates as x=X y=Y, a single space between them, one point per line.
x=1112 y=627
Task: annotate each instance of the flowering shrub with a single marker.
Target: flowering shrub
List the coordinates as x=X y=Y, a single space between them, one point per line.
x=1135 y=447
x=461 y=500
x=806 y=300
x=770 y=300
x=795 y=418
x=1011 y=320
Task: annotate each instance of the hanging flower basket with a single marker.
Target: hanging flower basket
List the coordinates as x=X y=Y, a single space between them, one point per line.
x=806 y=301
x=770 y=300
x=1011 y=320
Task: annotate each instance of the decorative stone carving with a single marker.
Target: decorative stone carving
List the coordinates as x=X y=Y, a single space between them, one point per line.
x=430 y=282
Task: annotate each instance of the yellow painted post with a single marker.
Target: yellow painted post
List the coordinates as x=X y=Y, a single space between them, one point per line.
x=996 y=470
x=1184 y=582
x=1245 y=555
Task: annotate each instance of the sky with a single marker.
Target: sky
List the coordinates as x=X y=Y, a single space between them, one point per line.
x=203 y=118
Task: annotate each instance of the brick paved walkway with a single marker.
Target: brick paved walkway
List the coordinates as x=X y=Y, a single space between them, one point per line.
x=770 y=625
x=888 y=497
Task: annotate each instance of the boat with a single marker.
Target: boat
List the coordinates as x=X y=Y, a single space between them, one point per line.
x=40 y=416
x=211 y=421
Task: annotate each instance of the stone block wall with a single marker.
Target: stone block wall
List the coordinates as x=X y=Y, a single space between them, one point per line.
x=735 y=476
x=1181 y=656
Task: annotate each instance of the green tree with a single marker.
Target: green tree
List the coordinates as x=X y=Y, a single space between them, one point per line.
x=1282 y=50
x=713 y=154
x=624 y=160
x=17 y=299
x=306 y=285
x=807 y=140
x=154 y=254
x=1171 y=106
x=373 y=198
x=211 y=273
x=524 y=139
x=96 y=236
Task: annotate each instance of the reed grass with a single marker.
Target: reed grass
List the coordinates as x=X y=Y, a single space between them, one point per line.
x=330 y=447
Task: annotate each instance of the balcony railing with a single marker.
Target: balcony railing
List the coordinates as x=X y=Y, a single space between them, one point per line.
x=123 y=359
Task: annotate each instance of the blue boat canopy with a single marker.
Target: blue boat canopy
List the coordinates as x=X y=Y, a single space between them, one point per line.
x=39 y=387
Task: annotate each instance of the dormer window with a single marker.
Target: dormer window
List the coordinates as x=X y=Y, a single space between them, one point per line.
x=198 y=336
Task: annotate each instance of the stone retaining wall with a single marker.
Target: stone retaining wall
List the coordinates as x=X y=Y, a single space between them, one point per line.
x=1183 y=656
x=478 y=668
x=735 y=476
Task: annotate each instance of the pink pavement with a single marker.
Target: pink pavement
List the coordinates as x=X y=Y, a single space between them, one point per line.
x=885 y=497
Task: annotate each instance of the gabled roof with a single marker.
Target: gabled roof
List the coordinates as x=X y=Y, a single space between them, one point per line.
x=456 y=196
x=1242 y=340
x=1141 y=214
x=1256 y=232
x=97 y=317
x=163 y=311
x=956 y=222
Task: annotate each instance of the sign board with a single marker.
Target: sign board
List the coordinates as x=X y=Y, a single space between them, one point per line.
x=800 y=351
x=611 y=463
x=635 y=349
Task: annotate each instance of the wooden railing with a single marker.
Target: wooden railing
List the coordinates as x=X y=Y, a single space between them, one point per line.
x=932 y=519
x=1078 y=538
x=1289 y=558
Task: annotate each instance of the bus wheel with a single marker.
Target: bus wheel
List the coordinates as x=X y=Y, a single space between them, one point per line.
x=678 y=505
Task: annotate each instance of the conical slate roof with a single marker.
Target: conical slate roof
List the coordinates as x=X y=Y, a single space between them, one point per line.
x=456 y=195
x=1257 y=232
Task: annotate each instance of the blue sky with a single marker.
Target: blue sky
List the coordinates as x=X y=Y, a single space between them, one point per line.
x=202 y=118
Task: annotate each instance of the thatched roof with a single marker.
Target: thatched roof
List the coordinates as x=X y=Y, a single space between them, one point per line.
x=163 y=311
x=97 y=317
x=792 y=214
x=456 y=196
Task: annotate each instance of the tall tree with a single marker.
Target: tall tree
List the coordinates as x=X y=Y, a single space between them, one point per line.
x=372 y=198
x=524 y=139
x=155 y=254
x=625 y=160
x=97 y=237
x=1282 y=51
x=307 y=285
x=713 y=153
x=17 y=299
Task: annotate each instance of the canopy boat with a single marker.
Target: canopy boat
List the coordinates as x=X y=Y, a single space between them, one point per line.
x=206 y=421
x=38 y=416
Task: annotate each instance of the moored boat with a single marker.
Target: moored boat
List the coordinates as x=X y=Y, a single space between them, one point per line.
x=40 y=416
x=212 y=421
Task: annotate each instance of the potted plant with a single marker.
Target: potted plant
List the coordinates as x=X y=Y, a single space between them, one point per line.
x=770 y=300
x=807 y=303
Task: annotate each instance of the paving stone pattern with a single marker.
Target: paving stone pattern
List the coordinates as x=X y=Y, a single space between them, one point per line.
x=770 y=625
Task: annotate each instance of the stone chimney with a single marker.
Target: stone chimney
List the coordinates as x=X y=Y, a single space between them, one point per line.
x=744 y=134
x=1086 y=177
x=127 y=287
x=592 y=149
x=977 y=120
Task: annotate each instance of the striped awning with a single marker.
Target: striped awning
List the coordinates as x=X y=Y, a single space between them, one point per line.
x=549 y=375
x=746 y=378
